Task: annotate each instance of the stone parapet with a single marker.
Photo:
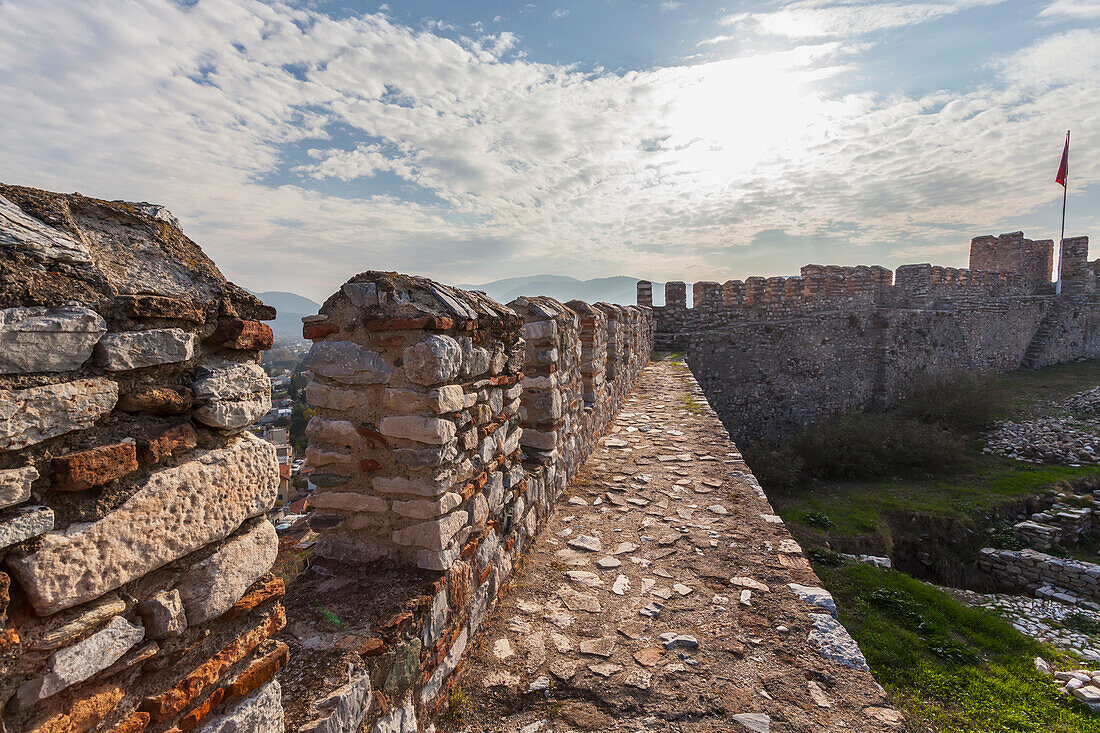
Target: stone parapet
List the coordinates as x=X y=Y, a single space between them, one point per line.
x=134 y=531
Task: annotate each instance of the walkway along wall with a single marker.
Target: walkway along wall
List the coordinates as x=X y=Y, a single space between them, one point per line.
x=136 y=594
x=775 y=355
x=447 y=424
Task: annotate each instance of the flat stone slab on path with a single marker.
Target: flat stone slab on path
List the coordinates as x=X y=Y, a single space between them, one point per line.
x=660 y=641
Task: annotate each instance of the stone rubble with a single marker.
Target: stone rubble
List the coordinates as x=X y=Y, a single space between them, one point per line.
x=1050 y=440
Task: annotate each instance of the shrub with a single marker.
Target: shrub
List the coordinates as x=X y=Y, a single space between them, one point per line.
x=965 y=403
x=775 y=468
x=860 y=446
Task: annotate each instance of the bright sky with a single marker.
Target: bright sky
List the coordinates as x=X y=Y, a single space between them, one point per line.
x=301 y=142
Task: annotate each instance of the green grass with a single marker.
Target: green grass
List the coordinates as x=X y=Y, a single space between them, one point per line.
x=1031 y=391
x=951 y=668
x=857 y=508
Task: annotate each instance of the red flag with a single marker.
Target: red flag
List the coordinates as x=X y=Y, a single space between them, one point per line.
x=1063 y=167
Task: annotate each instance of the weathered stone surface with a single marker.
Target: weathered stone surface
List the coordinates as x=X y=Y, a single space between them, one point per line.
x=243 y=335
x=29 y=416
x=38 y=240
x=95 y=613
x=80 y=661
x=94 y=467
x=15 y=485
x=210 y=588
x=349 y=501
x=119 y=352
x=232 y=396
x=24 y=522
x=156 y=400
x=449 y=398
x=430 y=430
x=432 y=535
x=230 y=381
x=430 y=486
x=835 y=643
x=163 y=615
x=337 y=432
x=424 y=509
x=397 y=720
x=344 y=709
x=331 y=398
x=816 y=595
x=261 y=712
x=346 y=363
x=435 y=359
x=756 y=722
x=48 y=339
x=432 y=687
x=146 y=305
x=165 y=519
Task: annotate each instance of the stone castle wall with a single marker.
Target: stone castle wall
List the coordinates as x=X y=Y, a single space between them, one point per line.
x=136 y=594
x=1046 y=576
x=447 y=425
x=779 y=353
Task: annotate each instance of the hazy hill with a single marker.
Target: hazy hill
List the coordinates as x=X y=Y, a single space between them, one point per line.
x=619 y=289
x=288 y=324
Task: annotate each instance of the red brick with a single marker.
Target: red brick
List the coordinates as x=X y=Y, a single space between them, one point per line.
x=315 y=331
x=372 y=647
x=459 y=582
x=134 y=723
x=373 y=437
x=207 y=674
x=173 y=440
x=369 y=464
x=95 y=467
x=242 y=335
x=268 y=587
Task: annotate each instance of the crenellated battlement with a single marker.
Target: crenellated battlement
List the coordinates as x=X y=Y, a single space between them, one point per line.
x=837 y=337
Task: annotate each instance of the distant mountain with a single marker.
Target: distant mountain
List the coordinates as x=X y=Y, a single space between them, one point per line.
x=291 y=307
x=619 y=289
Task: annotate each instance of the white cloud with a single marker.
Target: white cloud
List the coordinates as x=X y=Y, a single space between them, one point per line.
x=505 y=166
x=671 y=5
x=559 y=13
x=818 y=19
x=1072 y=9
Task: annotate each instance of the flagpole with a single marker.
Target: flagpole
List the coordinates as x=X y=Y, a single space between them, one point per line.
x=1062 y=238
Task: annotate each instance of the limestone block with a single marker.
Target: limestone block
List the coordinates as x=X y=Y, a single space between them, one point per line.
x=346 y=363
x=29 y=416
x=397 y=720
x=479 y=361
x=15 y=485
x=540 y=331
x=48 y=339
x=816 y=595
x=38 y=240
x=79 y=662
x=424 y=509
x=347 y=501
x=834 y=642
x=23 y=523
x=231 y=396
x=118 y=352
x=431 y=430
x=156 y=400
x=260 y=712
x=433 y=485
x=426 y=457
x=539 y=439
x=431 y=535
x=164 y=520
x=331 y=398
x=163 y=615
x=435 y=683
x=344 y=709
x=211 y=587
x=362 y=295
x=435 y=359
x=351 y=553
x=339 y=432
x=449 y=398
